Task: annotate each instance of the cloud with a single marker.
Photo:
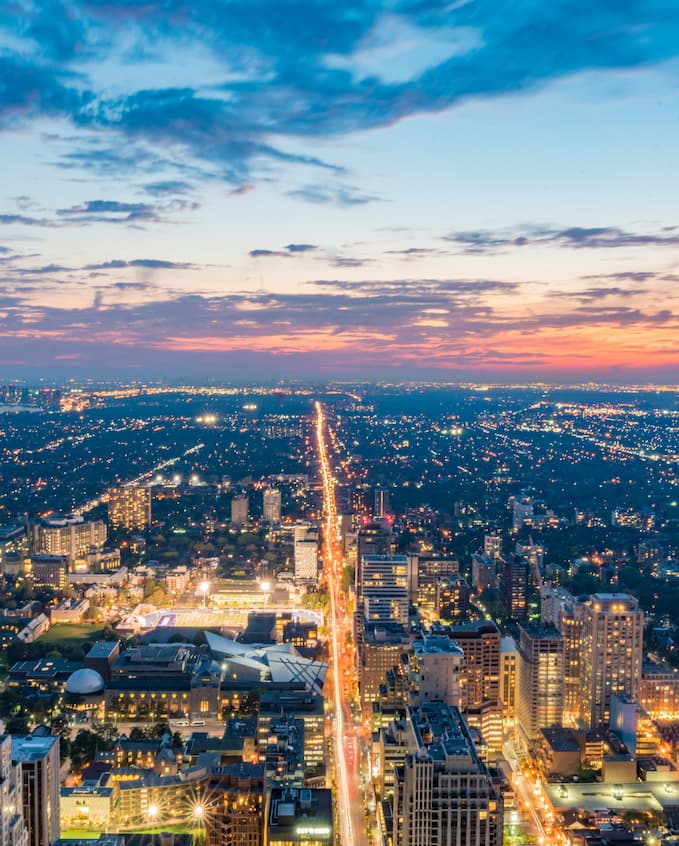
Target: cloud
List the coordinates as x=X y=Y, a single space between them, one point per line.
x=268 y=254
x=152 y=264
x=574 y=237
x=287 y=252
x=593 y=294
x=340 y=326
x=337 y=196
x=303 y=75
x=301 y=248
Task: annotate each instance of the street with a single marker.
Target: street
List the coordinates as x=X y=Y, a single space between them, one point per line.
x=350 y=804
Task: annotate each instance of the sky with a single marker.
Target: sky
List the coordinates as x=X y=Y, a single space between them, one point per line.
x=473 y=190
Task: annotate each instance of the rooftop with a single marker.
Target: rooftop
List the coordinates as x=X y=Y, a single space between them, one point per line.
x=31 y=747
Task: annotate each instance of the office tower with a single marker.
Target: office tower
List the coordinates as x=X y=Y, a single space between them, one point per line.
x=516 y=587
x=540 y=681
x=452 y=599
x=13 y=549
x=129 y=507
x=481 y=704
x=612 y=651
x=49 y=570
x=239 y=509
x=563 y=611
x=382 y=571
x=535 y=555
x=522 y=512
x=13 y=831
x=235 y=813
x=358 y=500
x=38 y=756
x=492 y=545
x=374 y=539
x=294 y=705
x=382 y=507
x=306 y=554
x=67 y=534
x=484 y=573
x=382 y=594
x=436 y=668
x=659 y=691
x=430 y=571
x=443 y=792
x=509 y=670
x=380 y=648
x=299 y=817
x=271 y=505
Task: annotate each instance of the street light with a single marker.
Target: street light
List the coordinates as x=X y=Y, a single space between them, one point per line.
x=204 y=587
x=153 y=811
x=198 y=812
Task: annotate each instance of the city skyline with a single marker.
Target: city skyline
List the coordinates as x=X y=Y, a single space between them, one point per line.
x=361 y=190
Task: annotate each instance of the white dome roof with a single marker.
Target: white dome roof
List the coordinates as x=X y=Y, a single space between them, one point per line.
x=84 y=682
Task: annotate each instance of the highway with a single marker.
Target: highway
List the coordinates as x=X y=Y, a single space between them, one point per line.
x=351 y=818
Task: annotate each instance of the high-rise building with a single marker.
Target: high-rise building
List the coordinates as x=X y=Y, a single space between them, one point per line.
x=299 y=817
x=236 y=809
x=436 y=668
x=239 y=509
x=484 y=572
x=13 y=831
x=13 y=549
x=358 y=501
x=509 y=671
x=374 y=539
x=271 y=505
x=382 y=507
x=306 y=554
x=129 y=507
x=67 y=534
x=443 y=792
x=540 y=681
x=380 y=571
x=481 y=704
x=563 y=611
x=379 y=649
x=452 y=599
x=431 y=571
x=516 y=587
x=38 y=756
x=612 y=652
x=49 y=570
x=492 y=545
x=382 y=594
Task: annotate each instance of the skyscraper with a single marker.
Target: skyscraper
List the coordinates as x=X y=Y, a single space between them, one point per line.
x=382 y=507
x=129 y=507
x=443 y=792
x=271 y=505
x=236 y=810
x=306 y=554
x=481 y=703
x=516 y=587
x=540 y=681
x=13 y=831
x=612 y=651
x=239 y=509
x=38 y=756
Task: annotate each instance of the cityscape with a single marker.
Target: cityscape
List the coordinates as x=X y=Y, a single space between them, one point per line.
x=384 y=614
x=339 y=423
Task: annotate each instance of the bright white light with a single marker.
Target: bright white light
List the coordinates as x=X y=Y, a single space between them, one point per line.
x=198 y=811
x=265 y=586
x=204 y=587
x=153 y=811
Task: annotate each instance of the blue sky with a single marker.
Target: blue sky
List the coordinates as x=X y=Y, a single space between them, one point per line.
x=364 y=189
